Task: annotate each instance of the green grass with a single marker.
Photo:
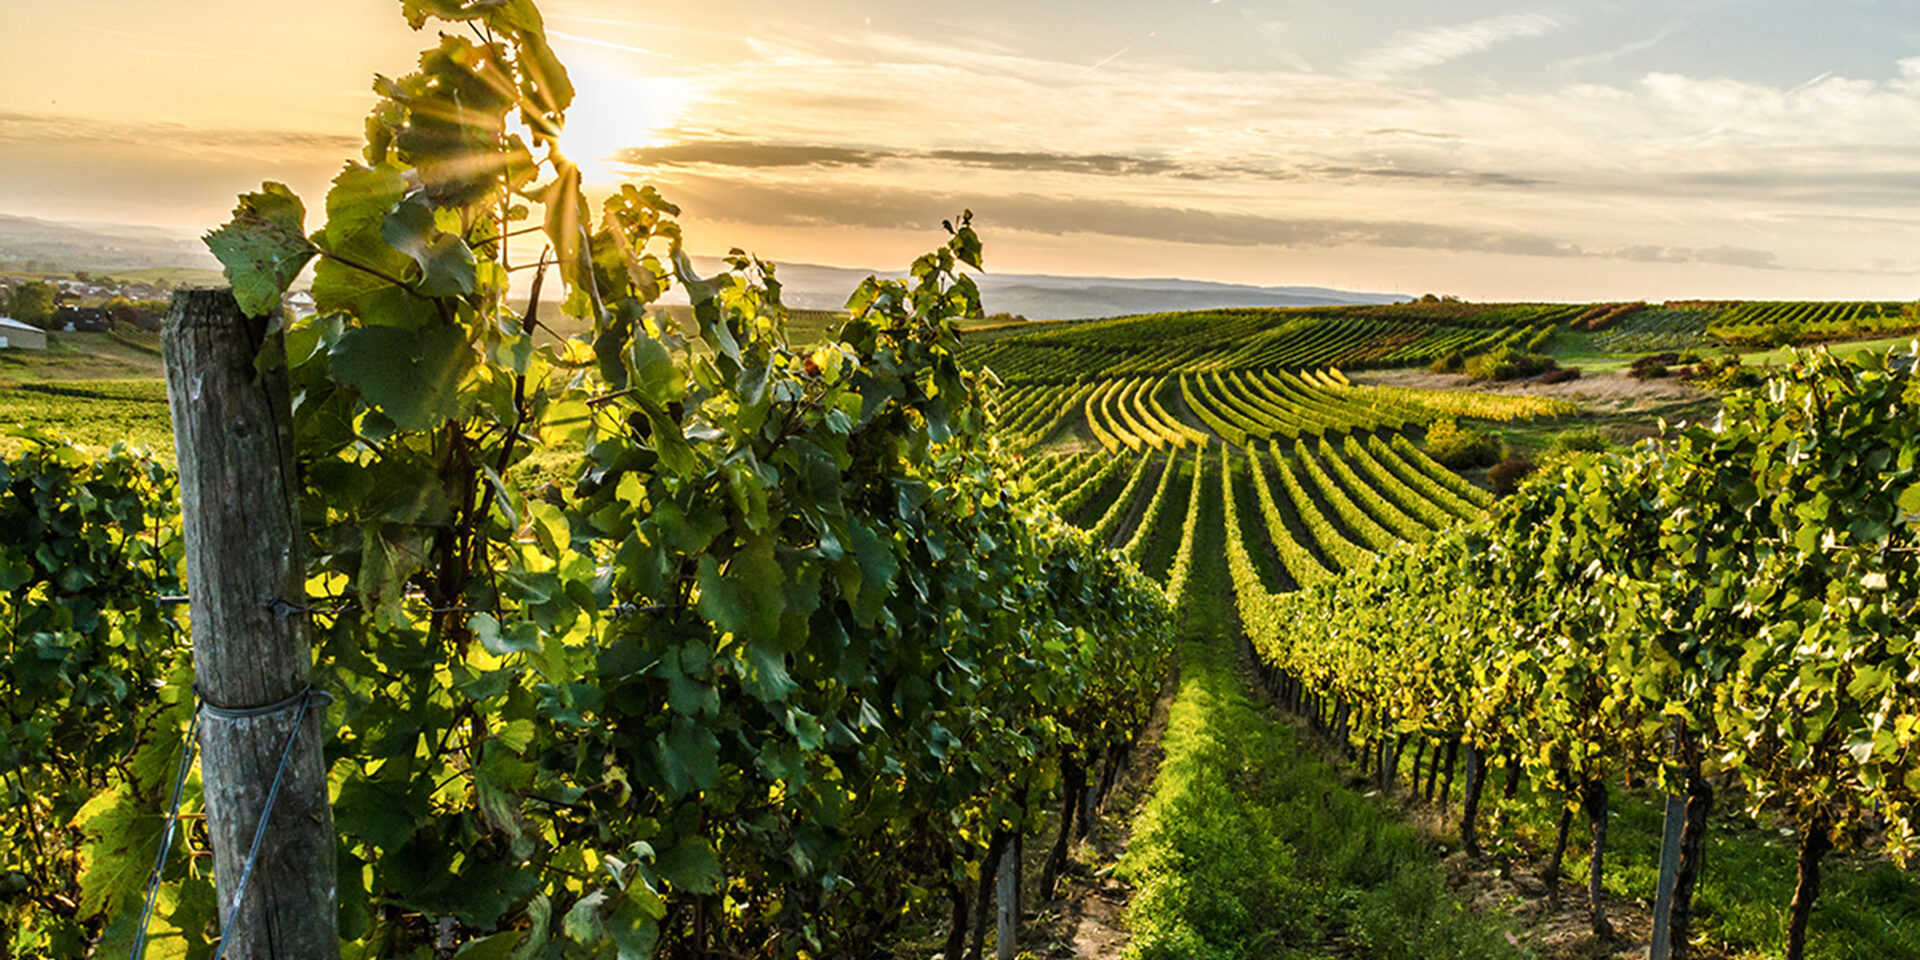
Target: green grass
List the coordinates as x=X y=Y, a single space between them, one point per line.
x=1249 y=847
x=1868 y=910
x=171 y=276
x=80 y=356
x=1587 y=352
x=1785 y=354
x=94 y=413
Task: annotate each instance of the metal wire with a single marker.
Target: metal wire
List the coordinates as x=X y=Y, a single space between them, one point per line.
x=305 y=699
x=166 y=836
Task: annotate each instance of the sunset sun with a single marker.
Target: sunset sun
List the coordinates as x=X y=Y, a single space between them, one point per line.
x=617 y=110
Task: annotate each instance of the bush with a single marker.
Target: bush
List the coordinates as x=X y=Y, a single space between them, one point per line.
x=1561 y=375
x=1449 y=362
x=1577 y=441
x=1505 y=477
x=1653 y=366
x=1461 y=448
x=1727 y=373
x=1507 y=363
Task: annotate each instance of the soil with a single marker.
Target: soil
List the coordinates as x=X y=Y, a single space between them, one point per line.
x=1610 y=391
x=1621 y=407
x=1086 y=921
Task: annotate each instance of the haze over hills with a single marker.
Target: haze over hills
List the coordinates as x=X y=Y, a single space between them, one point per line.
x=1043 y=297
x=44 y=246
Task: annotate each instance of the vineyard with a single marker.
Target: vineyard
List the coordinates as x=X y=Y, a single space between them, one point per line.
x=736 y=631
x=1587 y=632
x=1195 y=342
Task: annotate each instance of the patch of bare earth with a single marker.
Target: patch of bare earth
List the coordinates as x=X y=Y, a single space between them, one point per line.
x=1622 y=406
x=1085 y=921
x=1611 y=391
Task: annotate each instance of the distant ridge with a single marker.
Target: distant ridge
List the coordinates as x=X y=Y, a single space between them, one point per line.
x=44 y=246
x=28 y=243
x=1044 y=297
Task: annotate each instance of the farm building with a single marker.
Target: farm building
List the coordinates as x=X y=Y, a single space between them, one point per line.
x=15 y=335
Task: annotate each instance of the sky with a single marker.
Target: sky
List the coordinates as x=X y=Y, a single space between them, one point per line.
x=1578 y=150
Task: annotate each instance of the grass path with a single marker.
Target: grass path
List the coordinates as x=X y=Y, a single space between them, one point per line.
x=1249 y=847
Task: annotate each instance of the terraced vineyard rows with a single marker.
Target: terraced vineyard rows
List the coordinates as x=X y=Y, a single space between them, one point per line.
x=1257 y=339
x=1127 y=424
x=1314 y=483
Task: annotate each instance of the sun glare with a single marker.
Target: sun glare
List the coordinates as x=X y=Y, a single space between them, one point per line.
x=615 y=110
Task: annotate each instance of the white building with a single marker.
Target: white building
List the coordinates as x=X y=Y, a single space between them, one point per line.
x=15 y=335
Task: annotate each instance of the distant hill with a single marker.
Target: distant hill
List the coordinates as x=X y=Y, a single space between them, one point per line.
x=1042 y=297
x=44 y=246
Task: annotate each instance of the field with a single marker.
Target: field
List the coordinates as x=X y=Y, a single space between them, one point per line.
x=1239 y=458
x=1321 y=473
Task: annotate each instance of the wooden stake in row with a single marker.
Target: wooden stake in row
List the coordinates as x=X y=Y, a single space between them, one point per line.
x=252 y=655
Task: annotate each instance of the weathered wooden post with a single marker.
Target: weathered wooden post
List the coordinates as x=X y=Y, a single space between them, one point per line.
x=1007 y=894
x=261 y=723
x=1661 y=947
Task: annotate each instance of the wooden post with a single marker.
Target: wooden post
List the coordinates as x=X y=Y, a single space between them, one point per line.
x=1007 y=933
x=246 y=577
x=1662 y=945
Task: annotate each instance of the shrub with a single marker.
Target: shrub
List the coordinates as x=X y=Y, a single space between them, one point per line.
x=1507 y=363
x=1653 y=366
x=1461 y=448
x=1561 y=375
x=1449 y=362
x=1505 y=477
x=1577 y=441
x=1727 y=373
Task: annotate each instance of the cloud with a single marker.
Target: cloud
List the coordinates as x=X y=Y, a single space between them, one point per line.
x=747 y=154
x=1466 y=177
x=854 y=206
x=1404 y=132
x=1624 y=50
x=46 y=129
x=1104 y=164
x=1411 y=50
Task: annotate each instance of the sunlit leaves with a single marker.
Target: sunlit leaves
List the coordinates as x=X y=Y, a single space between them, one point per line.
x=446 y=264
x=613 y=628
x=263 y=248
x=413 y=376
x=91 y=740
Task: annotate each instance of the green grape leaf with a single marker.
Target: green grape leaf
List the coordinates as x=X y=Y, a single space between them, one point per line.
x=447 y=267
x=122 y=840
x=689 y=758
x=765 y=674
x=690 y=865
x=360 y=200
x=500 y=946
x=414 y=376
x=655 y=375
x=635 y=924
x=747 y=600
x=583 y=924
x=1910 y=498
x=263 y=248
